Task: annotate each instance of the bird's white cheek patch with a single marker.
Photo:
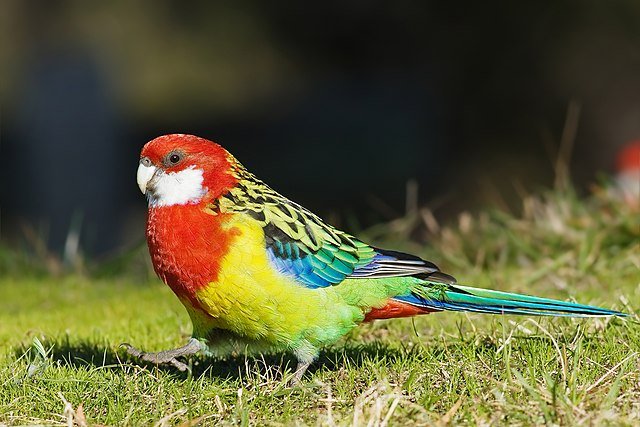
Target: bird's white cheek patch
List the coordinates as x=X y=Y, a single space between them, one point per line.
x=176 y=188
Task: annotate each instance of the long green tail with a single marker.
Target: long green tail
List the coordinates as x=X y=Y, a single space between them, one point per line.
x=456 y=297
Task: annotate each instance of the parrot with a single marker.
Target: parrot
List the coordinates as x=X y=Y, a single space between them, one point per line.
x=258 y=273
x=627 y=179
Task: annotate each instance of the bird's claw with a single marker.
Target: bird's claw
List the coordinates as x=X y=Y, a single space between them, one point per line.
x=131 y=350
x=166 y=357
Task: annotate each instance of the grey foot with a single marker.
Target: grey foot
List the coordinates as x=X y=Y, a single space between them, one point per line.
x=166 y=357
x=296 y=380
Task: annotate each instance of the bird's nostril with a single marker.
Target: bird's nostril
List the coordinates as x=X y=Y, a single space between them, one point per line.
x=145 y=161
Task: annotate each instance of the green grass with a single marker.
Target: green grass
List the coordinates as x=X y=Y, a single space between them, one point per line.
x=60 y=362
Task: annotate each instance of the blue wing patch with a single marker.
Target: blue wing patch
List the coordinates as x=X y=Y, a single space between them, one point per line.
x=314 y=270
x=330 y=265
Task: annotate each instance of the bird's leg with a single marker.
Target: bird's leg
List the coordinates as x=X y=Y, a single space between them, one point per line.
x=166 y=357
x=300 y=370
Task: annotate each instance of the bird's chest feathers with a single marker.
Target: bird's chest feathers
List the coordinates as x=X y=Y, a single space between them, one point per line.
x=187 y=244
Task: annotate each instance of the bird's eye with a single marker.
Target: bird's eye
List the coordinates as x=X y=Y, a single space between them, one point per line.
x=173 y=158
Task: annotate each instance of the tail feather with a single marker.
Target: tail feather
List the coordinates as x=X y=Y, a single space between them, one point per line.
x=439 y=296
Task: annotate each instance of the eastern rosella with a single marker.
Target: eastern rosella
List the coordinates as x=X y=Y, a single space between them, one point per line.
x=258 y=273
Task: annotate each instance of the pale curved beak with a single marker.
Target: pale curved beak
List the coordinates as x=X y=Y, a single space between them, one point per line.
x=145 y=173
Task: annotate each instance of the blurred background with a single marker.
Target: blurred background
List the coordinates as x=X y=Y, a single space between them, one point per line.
x=336 y=105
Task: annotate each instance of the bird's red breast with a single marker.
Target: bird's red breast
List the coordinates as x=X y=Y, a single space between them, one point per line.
x=186 y=244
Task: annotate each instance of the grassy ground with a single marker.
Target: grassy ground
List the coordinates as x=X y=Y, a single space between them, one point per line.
x=60 y=362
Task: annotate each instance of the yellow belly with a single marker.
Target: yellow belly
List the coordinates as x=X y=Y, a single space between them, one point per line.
x=258 y=305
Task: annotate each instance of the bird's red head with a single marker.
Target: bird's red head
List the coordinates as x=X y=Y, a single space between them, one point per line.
x=180 y=169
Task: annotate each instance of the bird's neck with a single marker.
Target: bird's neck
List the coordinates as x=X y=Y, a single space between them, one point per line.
x=186 y=244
